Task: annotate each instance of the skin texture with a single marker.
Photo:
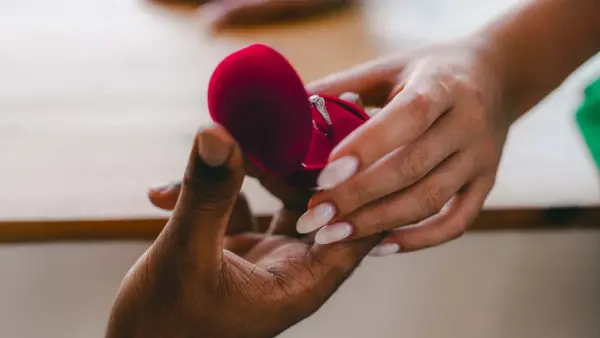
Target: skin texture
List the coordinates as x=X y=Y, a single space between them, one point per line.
x=209 y=275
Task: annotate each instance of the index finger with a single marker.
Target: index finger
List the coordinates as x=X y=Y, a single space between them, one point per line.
x=372 y=81
x=405 y=118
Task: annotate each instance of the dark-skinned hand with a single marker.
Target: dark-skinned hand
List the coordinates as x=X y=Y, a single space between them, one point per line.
x=197 y=281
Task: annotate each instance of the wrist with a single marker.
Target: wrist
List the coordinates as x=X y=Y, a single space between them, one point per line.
x=501 y=75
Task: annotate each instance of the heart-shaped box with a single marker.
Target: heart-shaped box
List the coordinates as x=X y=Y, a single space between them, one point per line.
x=260 y=99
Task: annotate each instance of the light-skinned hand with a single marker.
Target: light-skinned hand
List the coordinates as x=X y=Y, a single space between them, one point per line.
x=422 y=167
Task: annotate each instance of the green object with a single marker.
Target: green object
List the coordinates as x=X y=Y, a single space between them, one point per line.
x=588 y=119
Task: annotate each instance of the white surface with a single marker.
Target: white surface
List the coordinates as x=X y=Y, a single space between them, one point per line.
x=546 y=162
x=529 y=285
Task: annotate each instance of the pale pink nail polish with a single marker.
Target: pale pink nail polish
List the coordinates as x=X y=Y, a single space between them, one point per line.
x=333 y=233
x=315 y=218
x=337 y=172
x=384 y=249
x=159 y=188
x=213 y=150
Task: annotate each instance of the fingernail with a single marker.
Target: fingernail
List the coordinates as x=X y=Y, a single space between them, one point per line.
x=212 y=149
x=315 y=218
x=384 y=249
x=333 y=233
x=159 y=189
x=352 y=97
x=337 y=172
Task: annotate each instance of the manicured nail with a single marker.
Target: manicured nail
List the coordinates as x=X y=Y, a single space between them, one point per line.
x=333 y=233
x=353 y=98
x=212 y=149
x=159 y=189
x=315 y=218
x=384 y=249
x=337 y=172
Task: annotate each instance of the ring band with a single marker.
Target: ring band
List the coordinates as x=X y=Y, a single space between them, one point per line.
x=319 y=103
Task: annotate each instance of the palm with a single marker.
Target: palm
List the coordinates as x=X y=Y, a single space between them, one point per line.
x=259 y=248
x=208 y=272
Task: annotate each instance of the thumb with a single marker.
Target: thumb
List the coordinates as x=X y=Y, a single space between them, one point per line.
x=210 y=187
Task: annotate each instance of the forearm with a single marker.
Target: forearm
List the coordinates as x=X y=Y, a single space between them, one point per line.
x=535 y=47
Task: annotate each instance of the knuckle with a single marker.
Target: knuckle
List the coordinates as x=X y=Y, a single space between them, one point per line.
x=418 y=110
x=433 y=200
x=205 y=194
x=476 y=119
x=411 y=165
x=370 y=222
x=379 y=224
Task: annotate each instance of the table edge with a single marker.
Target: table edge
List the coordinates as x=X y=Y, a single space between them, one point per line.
x=26 y=231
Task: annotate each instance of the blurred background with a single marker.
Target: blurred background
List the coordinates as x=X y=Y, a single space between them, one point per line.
x=99 y=100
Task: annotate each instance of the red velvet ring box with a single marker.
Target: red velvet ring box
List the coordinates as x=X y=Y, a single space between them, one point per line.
x=260 y=99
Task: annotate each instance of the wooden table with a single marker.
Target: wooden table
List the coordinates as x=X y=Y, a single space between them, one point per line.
x=99 y=100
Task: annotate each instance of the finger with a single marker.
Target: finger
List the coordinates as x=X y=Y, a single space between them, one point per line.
x=210 y=187
x=241 y=220
x=408 y=115
x=441 y=228
x=407 y=206
x=165 y=196
x=372 y=81
x=353 y=98
x=394 y=172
